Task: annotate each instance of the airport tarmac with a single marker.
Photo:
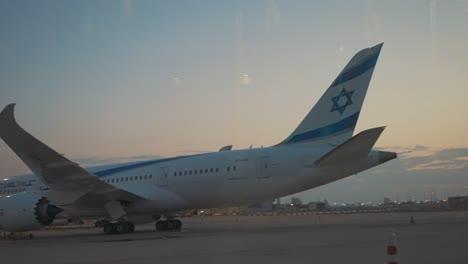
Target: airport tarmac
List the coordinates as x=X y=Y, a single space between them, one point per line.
x=435 y=237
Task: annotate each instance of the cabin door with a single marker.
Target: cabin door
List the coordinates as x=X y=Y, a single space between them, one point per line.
x=263 y=168
x=163 y=179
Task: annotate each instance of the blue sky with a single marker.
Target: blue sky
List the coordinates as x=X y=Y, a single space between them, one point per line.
x=110 y=79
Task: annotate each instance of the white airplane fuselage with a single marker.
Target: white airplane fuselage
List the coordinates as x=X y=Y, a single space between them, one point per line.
x=221 y=179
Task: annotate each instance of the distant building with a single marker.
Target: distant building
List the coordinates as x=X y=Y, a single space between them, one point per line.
x=459 y=202
x=317 y=206
x=387 y=201
x=266 y=206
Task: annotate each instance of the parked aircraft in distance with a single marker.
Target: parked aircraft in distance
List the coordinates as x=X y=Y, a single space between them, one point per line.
x=322 y=149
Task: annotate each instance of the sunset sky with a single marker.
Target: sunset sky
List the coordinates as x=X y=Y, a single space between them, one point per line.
x=117 y=80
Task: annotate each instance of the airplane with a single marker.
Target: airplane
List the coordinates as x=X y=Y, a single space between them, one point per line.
x=322 y=149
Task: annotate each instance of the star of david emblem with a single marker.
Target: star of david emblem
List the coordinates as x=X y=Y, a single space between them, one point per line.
x=340 y=106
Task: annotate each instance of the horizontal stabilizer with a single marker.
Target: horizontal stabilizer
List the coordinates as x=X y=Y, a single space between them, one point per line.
x=355 y=148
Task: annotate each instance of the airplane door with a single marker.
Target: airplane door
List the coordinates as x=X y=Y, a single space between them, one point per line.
x=263 y=168
x=163 y=179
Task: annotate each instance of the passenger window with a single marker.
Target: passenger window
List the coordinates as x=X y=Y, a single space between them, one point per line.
x=217 y=170
x=185 y=173
x=234 y=168
x=175 y=173
x=206 y=170
x=195 y=172
x=211 y=170
x=190 y=172
x=151 y=176
x=201 y=171
x=180 y=173
x=228 y=168
x=144 y=177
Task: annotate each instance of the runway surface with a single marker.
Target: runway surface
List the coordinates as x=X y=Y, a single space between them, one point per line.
x=435 y=237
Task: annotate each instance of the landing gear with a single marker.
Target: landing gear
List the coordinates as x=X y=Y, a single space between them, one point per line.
x=101 y=223
x=118 y=228
x=164 y=225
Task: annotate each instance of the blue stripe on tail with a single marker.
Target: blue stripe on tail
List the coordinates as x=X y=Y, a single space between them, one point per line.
x=356 y=71
x=342 y=125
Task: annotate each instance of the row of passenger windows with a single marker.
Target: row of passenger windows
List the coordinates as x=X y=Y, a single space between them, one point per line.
x=129 y=178
x=201 y=171
x=177 y=173
x=10 y=191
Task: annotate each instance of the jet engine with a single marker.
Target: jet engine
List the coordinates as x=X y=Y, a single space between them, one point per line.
x=26 y=211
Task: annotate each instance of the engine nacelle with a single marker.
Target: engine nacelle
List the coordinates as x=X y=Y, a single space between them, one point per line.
x=26 y=211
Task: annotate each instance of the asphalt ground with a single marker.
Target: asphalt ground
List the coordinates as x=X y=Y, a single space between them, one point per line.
x=434 y=237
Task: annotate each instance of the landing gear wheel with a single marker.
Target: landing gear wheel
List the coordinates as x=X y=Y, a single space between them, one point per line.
x=170 y=225
x=160 y=225
x=131 y=227
x=119 y=228
x=108 y=229
x=178 y=224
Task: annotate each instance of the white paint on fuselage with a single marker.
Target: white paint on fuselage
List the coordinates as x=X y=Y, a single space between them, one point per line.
x=20 y=183
x=254 y=175
x=259 y=175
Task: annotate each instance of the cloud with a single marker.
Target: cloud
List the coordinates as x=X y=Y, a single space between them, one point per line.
x=412 y=151
x=455 y=164
x=427 y=158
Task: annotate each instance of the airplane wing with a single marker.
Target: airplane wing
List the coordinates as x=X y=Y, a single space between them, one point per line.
x=354 y=148
x=66 y=180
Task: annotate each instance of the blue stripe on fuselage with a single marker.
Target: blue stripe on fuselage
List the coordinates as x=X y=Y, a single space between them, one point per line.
x=357 y=70
x=344 y=124
x=136 y=165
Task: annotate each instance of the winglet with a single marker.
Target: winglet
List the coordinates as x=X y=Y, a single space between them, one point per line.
x=8 y=113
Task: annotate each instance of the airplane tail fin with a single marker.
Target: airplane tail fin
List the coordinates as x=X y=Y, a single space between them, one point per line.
x=333 y=119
